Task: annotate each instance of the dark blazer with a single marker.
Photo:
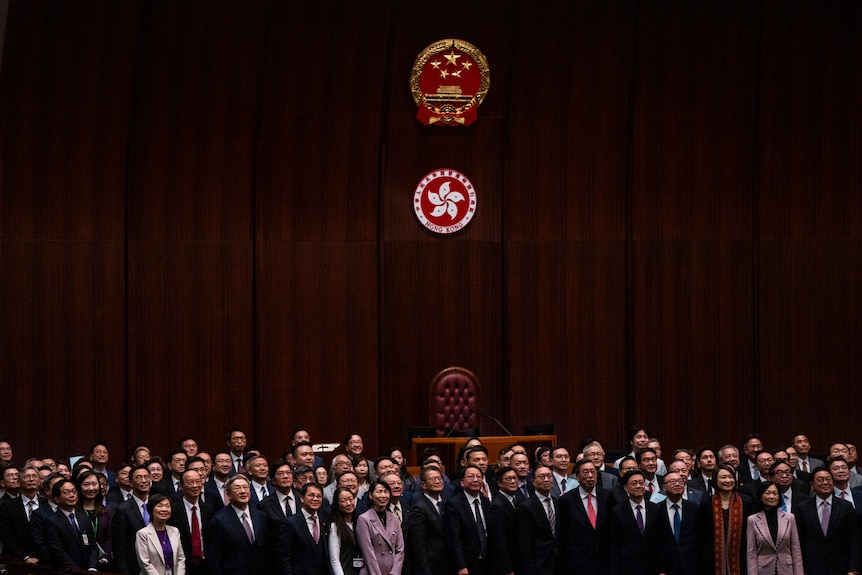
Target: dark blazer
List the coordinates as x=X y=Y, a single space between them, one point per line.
x=274 y=512
x=212 y=495
x=71 y=547
x=180 y=520
x=502 y=536
x=115 y=496
x=425 y=547
x=631 y=552
x=465 y=544
x=537 y=545
x=255 y=498
x=228 y=550
x=837 y=551
x=37 y=522
x=125 y=523
x=15 y=528
x=297 y=551
x=678 y=558
x=519 y=496
x=583 y=545
x=796 y=497
x=697 y=483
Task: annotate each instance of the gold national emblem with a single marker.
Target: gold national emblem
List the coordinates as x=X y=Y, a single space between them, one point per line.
x=449 y=81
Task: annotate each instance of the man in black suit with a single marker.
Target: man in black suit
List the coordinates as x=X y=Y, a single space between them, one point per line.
x=631 y=527
x=537 y=539
x=675 y=543
x=236 y=444
x=257 y=469
x=192 y=517
x=237 y=536
x=122 y=489
x=521 y=464
x=70 y=538
x=478 y=457
x=128 y=519
x=608 y=476
x=15 y=516
x=837 y=550
x=214 y=492
x=466 y=526
x=681 y=469
x=647 y=460
x=302 y=543
x=502 y=535
x=281 y=503
x=426 y=546
x=706 y=462
x=747 y=471
x=789 y=489
x=584 y=514
x=763 y=462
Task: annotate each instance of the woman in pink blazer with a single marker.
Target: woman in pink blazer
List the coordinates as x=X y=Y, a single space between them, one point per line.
x=773 y=542
x=379 y=534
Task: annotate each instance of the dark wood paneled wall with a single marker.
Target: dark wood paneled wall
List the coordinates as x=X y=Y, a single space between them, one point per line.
x=206 y=221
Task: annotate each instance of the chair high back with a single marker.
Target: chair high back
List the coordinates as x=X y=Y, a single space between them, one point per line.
x=454 y=401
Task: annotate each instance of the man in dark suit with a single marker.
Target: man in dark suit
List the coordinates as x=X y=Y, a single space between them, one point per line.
x=706 y=462
x=791 y=493
x=99 y=459
x=837 y=550
x=122 y=490
x=281 y=503
x=747 y=471
x=237 y=536
x=502 y=535
x=70 y=538
x=192 y=517
x=647 y=460
x=426 y=546
x=128 y=519
x=15 y=516
x=593 y=450
x=257 y=469
x=214 y=492
x=302 y=543
x=689 y=493
x=521 y=464
x=631 y=525
x=584 y=516
x=466 y=526
x=560 y=462
x=763 y=461
x=675 y=543
x=537 y=539
x=236 y=444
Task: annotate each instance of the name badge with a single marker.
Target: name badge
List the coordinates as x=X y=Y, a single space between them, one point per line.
x=358 y=562
x=85 y=539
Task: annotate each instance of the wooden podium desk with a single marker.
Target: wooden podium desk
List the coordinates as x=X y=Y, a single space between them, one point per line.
x=448 y=447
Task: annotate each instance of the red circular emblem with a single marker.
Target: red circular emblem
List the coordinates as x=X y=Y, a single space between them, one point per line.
x=444 y=201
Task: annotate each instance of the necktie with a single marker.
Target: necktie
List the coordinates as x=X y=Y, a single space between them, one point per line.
x=640 y=518
x=128 y=495
x=73 y=521
x=239 y=467
x=197 y=545
x=649 y=486
x=315 y=530
x=263 y=492
x=563 y=485
x=524 y=491
x=591 y=511
x=29 y=509
x=247 y=527
x=145 y=514
x=287 y=510
x=480 y=527
x=755 y=474
x=177 y=486
x=552 y=517
x=783 y=506
x=824 y=517
x=844 y=494
x=440 y=507
x=805 y=466
x=484 y=489
x=396 y=509
x=676 y=521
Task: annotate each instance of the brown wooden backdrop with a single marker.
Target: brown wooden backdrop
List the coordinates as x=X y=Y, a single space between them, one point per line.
x=205 y=221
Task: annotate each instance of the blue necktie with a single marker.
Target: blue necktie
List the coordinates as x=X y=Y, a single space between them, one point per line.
x=676 y=521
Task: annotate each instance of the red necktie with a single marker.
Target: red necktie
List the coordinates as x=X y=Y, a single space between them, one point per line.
x=591 y=511
x=197 y=546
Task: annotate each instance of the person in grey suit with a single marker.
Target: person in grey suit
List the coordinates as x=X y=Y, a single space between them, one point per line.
x=803 y=447
x=560 y=461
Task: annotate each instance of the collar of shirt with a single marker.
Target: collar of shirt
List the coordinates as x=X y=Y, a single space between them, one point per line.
x=558 y=478
x=432 y=500
x=584 y=493
x=138 y=502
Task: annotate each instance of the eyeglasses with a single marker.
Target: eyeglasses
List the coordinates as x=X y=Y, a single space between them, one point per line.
x=675 y=482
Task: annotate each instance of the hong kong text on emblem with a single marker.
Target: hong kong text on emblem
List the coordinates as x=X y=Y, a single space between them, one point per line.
x=449 y=81
x=444 y=201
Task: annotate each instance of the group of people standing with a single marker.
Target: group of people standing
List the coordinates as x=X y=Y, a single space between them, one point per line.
x=709 y=511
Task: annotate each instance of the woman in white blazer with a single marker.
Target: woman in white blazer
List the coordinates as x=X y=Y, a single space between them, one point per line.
x=158 y=544
x=773 y=542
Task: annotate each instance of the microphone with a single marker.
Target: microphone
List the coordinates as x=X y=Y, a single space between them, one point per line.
x=452 y=429
x=495 y=420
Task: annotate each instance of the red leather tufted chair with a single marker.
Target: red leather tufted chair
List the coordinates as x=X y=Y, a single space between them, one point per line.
x=454 y=400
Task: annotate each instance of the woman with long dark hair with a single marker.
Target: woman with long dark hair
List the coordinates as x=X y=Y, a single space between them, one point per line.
x=91 y=502
x=345 y=557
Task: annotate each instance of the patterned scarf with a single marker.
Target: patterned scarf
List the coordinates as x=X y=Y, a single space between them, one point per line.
x=726 y=553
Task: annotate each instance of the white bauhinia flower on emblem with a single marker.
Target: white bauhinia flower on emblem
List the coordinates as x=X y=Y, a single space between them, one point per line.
x=445 y=201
